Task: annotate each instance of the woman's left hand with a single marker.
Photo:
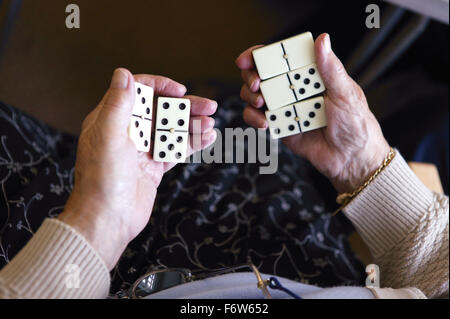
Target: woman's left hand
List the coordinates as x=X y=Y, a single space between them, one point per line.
x=352 y=146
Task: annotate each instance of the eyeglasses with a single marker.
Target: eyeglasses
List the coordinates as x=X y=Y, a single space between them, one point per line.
x=159 y=280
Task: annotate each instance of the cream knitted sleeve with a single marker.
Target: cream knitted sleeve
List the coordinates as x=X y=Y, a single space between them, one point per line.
x=56 y=263
x=405 y=225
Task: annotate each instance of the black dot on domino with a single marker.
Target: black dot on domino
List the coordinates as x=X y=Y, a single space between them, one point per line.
x=302 y=91
x=312 y=114
x=306 y=123
x=317 y=85
x=141 y=134
x=136 y=124
x=164 y=121
x=145 y=143
x=163 y=138
x=166 y=105
x=147 y=111
x=180 y=122
x=273 y=117
x=171 y=147
x=139 y=90
x=182 y=106
x=277 y=131
x=291 y=127
x=312 y=71
x=162 y=154
x=307 y=81
x=288 y=113
x=317 y=106
x=178 y=155
x=179 y=139
x=297 y=76
x=143 y=100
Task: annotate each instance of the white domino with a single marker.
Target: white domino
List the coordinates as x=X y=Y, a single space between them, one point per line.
x=312 y=114
x=170 y=147
x=283 y=122
x=172 y=130
x=140 y=133
x=284 y=56
x=297 y=118
x=140 y=128
x=291 y=87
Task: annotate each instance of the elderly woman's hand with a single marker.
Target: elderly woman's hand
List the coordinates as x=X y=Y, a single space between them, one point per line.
x=115 y=185
x=352 y=146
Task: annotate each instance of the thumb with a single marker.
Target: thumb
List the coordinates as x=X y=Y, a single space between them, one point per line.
x=334 y=75
x=117 y=104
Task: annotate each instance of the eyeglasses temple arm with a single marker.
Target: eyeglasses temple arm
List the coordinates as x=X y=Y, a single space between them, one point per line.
x=262 y=284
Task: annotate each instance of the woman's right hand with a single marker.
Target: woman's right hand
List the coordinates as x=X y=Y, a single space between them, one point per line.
x=115 y=185
x=352 y=147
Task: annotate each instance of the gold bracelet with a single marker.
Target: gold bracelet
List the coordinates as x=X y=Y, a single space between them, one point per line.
x=345 y=198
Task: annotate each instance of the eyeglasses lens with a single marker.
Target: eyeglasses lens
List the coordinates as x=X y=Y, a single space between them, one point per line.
x=157 y=282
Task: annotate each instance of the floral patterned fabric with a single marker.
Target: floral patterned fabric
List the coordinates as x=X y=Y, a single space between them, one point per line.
x=206 y=215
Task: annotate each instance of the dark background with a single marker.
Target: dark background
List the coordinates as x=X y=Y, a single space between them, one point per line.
x=59 y=74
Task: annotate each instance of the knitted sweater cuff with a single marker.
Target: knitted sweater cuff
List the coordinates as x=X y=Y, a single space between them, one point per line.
x=389 y=207
x=70 y=266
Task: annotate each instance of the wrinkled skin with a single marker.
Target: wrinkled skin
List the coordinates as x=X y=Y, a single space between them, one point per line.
x=352 y=147
x=115 y=185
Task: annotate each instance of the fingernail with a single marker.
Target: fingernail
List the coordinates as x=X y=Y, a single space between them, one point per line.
x=183 y=90
x=265 y=125
x=252 y=85
x=119 y=79
x=259 y=101
x=215 y=106
x=255 y=100
x=327 y=44
x=255 y=84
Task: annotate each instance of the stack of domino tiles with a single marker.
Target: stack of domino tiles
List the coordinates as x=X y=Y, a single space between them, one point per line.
x=171 y=129
x=290 y=86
